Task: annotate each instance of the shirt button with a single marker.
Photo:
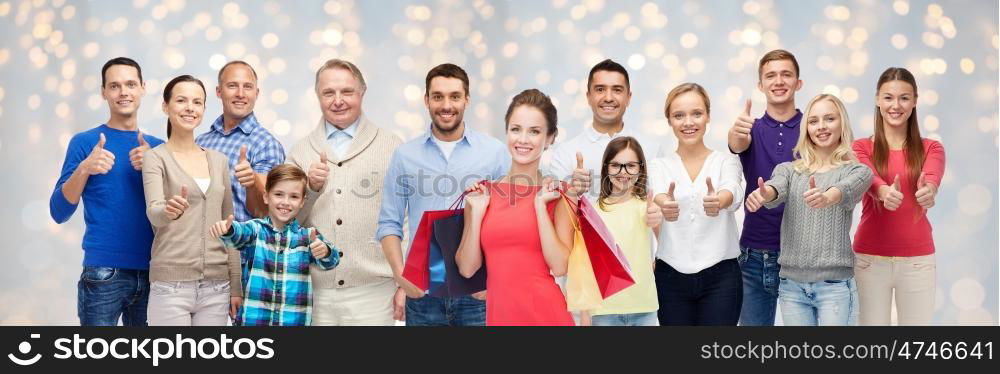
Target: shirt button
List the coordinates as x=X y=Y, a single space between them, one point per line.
x=765 y=256
x=341 y=283
x=338 y=191
x=779 y=143
x=781 y=134
x=339 y=222
x=340 y=253
x=339 y=164
x=280 y=270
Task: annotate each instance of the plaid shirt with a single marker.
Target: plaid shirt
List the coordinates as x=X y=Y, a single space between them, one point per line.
x=279 y=289
x=264 y=152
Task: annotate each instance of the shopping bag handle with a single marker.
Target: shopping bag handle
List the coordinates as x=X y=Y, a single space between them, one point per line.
x=461 y=198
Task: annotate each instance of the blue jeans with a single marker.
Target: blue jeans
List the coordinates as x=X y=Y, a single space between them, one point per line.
x=628 y=319
x=760 y=286
x=711 y=297
x=823 y=303
x=445 y=311
x=104 y=294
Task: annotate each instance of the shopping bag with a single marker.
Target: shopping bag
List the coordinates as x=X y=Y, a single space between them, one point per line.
x=611 y=268
x=447 y=235
x=582 y=292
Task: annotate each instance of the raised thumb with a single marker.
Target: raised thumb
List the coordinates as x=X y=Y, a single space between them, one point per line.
x=100 y=142
x=243 y=153
x=711 y=188
x=812 y=181
x=142 y=140
x=579 y=160
x=921 y=181
x=312 y=235
x=670 y=191
x=184 y=191
x=895 y=183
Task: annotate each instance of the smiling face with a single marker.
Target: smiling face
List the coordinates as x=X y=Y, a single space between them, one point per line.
x=896 y=100
x=779 y=81
x=340 y=96
x=238 y=91
x=626 y=165
x=284 y=200
x=123 y=90
x=608 y=96
x=186 y=106
x=446 y=100
x=824 y=125
x=688 y=117
x=526 y=134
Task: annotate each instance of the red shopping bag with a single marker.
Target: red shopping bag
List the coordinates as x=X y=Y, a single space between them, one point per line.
x=611 y=269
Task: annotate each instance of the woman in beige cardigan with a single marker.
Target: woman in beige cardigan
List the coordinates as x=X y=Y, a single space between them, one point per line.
x=194 y=280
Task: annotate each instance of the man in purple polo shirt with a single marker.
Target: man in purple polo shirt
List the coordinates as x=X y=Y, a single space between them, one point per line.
x=762 y=144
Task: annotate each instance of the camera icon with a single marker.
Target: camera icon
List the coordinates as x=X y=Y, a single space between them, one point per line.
x=25 y=348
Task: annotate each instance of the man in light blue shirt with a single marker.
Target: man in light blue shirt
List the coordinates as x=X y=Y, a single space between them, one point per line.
x=430 y=173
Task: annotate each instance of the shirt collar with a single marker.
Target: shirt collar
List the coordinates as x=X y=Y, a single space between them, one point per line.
x=349 y=131
x=468 y=136
x=791 y=122
x=291 y=225
x=595 y=136
x=247 y=125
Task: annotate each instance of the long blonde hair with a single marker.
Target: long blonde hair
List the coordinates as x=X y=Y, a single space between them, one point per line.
x=806 y=159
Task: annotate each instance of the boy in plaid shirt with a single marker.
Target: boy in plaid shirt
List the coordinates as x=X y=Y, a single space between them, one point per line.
x=279 y=289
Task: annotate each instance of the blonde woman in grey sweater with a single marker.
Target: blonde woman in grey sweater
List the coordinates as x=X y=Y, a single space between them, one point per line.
x=820 y=189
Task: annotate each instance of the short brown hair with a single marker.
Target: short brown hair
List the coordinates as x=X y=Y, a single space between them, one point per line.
x=775 y=55
x=446 y=71
x=538 y=100
x=236 y=62
x=336 y=63
x=685 y=88
x=286 y=172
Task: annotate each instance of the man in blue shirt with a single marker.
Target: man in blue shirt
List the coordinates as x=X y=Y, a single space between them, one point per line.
x=430 y=173
x=251 y=149
x=118 y=237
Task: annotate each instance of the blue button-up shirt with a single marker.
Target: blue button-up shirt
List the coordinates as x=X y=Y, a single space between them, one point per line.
x=420 y=178
x=264 y=152
x=340 y=140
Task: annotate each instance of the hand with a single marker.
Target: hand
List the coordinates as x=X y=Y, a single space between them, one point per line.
x=744 y=123
x=481 y=295
x=548 y=192
x=221 y=228
x=654 y=215
x=99 y=161
x=477 y=197
x=318 y=172
x=235 y=302
x=244 y=173
x=177 y=204
x=758 y=197
x=891 y=196
x=318 y=248
x=399 y=305
x=925 y=193
x=818 y=199
x=581 y=177
x=411 y=290
x=668 y=205
x=136 y=154
x=711 y=200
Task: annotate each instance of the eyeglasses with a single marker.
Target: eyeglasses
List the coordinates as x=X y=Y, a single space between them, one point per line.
x=631 y=168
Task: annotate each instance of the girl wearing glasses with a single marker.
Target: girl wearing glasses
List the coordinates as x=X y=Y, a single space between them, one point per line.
x=629 y=215
x=698 y=278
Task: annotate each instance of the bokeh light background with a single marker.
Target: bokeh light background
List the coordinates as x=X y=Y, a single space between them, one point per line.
x=52 y=51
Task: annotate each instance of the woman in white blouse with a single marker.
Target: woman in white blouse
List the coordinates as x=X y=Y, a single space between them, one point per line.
x=698 y=279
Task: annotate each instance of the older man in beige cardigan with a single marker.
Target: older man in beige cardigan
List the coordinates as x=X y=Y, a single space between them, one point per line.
x=346 y=157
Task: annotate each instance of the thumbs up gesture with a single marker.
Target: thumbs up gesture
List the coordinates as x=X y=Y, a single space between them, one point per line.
x=668 y=204
x=759 y=196
x=244 y=173
x=711 y=200
x=891 y=196
x=221 y=228
x=925 y=192
x=177 y=204
x=581 y=177
x=135 y=155
x=318 y=248
x=318 y=172
x=654 y=215
x=99 y=161
x=818 y=199
x=744 y=123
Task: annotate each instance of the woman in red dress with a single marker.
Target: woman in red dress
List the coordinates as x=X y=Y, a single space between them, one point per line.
x=514 y=225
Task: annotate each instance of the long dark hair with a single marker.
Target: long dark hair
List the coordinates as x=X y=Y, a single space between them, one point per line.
x=614 y=147
x=913 y=147
x=168 y=92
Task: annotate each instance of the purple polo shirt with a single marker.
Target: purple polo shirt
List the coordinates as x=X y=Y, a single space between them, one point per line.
x=772 y=143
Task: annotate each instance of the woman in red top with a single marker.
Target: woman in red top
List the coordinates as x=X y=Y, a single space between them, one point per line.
x=512 y=223
x=894 y=245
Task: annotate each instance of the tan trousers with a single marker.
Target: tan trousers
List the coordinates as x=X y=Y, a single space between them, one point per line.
x=369 y=305
x=189 y=303
x=911 y=280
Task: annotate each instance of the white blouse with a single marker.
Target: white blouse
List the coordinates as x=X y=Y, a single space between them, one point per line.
x=696 y=241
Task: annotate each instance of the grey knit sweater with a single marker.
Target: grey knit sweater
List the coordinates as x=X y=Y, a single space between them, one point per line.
x=816 y=243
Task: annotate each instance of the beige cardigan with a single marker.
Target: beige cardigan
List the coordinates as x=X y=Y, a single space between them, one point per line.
x=183 y=250
x=346 y=211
